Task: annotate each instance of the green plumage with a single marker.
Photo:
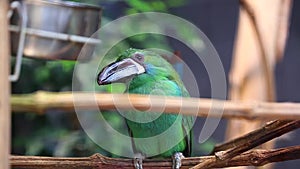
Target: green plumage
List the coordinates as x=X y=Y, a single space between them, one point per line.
x=154 y=134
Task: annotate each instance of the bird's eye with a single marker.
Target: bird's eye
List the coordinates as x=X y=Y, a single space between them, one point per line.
x=139 y=57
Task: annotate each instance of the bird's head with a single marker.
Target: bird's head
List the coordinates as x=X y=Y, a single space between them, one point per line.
x=136 y=63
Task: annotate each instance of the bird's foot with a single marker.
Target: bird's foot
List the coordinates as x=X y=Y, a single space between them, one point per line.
x=177 y=157
x=138 y=161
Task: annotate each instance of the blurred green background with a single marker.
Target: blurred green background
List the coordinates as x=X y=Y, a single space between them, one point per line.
x=59 y=133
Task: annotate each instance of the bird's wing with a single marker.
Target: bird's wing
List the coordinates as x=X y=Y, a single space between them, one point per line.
x=187 y=121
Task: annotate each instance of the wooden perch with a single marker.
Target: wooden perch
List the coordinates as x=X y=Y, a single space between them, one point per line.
x=42 y=101
x=254 y=157
x=233 y=155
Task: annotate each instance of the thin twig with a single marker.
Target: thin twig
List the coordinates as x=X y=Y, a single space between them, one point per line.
x=254 y=157
x=43 y=101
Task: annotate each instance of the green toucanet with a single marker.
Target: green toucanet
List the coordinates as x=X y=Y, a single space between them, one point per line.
x=146 y=72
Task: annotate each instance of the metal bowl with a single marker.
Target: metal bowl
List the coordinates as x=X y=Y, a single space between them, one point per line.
x=56 y=30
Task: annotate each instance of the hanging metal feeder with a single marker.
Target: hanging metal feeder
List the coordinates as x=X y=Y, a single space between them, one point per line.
x=52 y=30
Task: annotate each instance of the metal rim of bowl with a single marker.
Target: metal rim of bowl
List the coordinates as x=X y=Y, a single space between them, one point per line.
x=65 y=4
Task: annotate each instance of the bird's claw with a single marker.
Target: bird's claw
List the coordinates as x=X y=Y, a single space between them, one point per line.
x=138 y=161
x=177 y=157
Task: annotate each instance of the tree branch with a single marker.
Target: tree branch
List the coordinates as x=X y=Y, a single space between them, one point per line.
x=233 y=148
x=269 y=131
x=254 y=157
x=40 y=102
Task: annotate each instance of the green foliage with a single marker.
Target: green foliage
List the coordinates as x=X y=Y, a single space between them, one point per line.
x=136 y=6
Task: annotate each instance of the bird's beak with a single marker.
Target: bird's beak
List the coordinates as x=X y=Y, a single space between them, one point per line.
x=119 y=71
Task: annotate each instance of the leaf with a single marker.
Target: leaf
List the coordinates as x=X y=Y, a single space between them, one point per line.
x=140 y=5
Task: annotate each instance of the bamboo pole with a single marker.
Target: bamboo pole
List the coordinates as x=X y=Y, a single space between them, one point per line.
x=5 y=87
x=40 y=102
